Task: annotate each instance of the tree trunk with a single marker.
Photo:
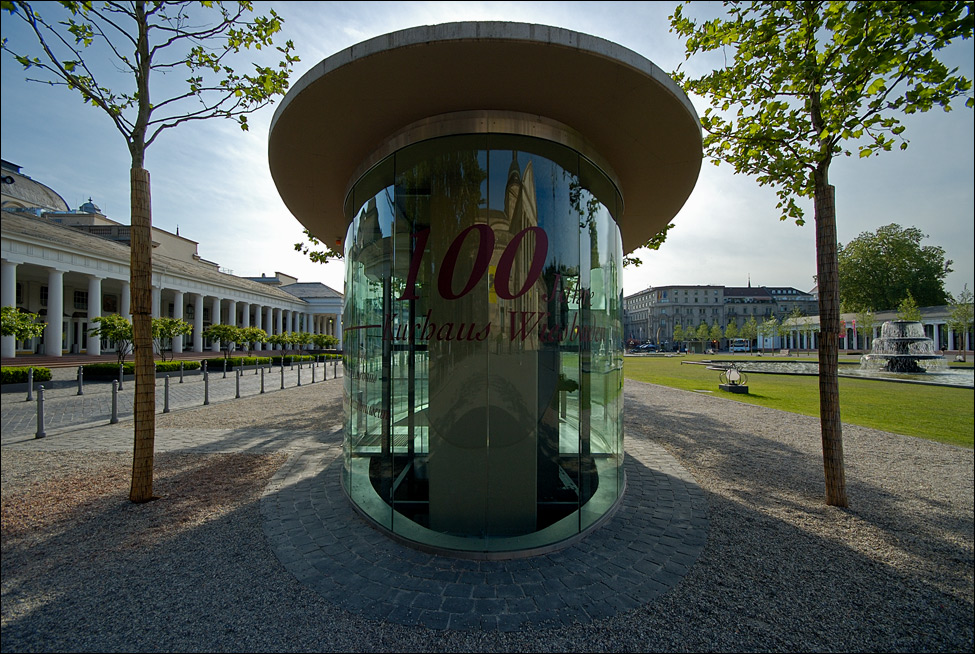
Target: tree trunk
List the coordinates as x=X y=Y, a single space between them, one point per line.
x=141 y=303
x=827 y=270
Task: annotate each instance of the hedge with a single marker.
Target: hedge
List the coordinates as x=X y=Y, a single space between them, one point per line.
x=18 y=374
x=110 y=370
x=216 y=363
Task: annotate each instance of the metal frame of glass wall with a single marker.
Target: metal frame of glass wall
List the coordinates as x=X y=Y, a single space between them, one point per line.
x=483 y=340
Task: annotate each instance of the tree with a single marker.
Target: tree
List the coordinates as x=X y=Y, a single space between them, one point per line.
x=961 y=317
x=250 y=336
x=715 y=335
x=115 y=328
x=277 y=340
x=878 y=270
x=804 y=83
x=731 y=331
x=908 y=309
x=769 y=329
x=228 y=335
x=301 y=339
x=678 y=335
x=750 y=330
x=168 y=328
x=325 y=341
x=22 y=325
x=702 y=334
x=865 y=324
x=315 y=250
x=145 y=41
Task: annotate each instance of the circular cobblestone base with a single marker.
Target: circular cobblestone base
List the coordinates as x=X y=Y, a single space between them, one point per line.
x=653 y=539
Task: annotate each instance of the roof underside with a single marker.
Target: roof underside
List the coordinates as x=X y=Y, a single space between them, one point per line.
x=628 y=110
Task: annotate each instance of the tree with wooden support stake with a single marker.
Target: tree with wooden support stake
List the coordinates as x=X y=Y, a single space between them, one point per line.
x=805 y=82
x=145 y=40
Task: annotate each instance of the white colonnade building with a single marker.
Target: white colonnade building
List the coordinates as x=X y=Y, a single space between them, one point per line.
x=75 y=264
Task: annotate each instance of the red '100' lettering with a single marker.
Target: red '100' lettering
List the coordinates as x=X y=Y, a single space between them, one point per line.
x=485 y=248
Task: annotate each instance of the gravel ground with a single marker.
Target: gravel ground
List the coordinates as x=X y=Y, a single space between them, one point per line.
x=85 y=570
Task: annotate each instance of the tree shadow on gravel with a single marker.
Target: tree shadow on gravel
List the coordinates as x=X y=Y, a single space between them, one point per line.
x=84 y=569
x=770 y=464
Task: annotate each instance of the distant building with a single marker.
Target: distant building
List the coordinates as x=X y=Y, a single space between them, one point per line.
x=687 y=306
x=75 y=264
x=324 y=301
x=652 y=314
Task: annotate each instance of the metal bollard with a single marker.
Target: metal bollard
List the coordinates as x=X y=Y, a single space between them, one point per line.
x=81 y=380
x=40 y=413
x=206 y=387
x=121 y=375
x=282 y=375
x=114 y=418
x=292 y=360
x=166 y=394
x=180 y=372
x=224 y=368
x=299 y=374
x=262 y=380
x=30 y=384
x=312 y=373
x=237 y=375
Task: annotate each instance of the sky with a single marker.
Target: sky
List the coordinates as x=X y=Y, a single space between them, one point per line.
x=211 y=181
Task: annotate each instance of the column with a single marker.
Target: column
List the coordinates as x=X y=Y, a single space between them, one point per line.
x=232 y=316
x=125 y=302
x=53 y=333
x=257 y=324
x=338 y=329
x=215 y=319
x=8 y=298
x=278 y=323
x=197 y=322
x=178 y=315
x=245 y=319
x=156 y=301
x=94 y=311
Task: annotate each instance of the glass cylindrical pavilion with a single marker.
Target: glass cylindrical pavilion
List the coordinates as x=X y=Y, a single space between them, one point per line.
x=483 y=340
x=474 y=174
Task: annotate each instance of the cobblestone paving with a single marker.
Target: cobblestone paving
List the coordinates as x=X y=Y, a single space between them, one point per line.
x=65 y=409
x=641 y=552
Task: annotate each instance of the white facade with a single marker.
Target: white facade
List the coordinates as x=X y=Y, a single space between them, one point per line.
x=54 y=261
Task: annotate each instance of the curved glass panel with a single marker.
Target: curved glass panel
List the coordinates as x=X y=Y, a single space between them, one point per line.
x=484 y=344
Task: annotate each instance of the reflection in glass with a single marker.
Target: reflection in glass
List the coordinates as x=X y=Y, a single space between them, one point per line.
x=483 y=344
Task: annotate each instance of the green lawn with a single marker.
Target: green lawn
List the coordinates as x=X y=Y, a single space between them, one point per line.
x=933 y=412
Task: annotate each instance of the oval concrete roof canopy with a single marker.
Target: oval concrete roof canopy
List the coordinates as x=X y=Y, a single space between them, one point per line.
x=346 y=106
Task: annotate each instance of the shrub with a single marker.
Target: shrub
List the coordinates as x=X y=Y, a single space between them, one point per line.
x=173 y=366
x=216 y=364
x=18 y=374
x=288 y=358
x=97 y=371
x=107 y=371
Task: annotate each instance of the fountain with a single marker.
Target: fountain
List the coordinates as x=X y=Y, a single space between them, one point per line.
x=901 y=354
x=903 y=348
